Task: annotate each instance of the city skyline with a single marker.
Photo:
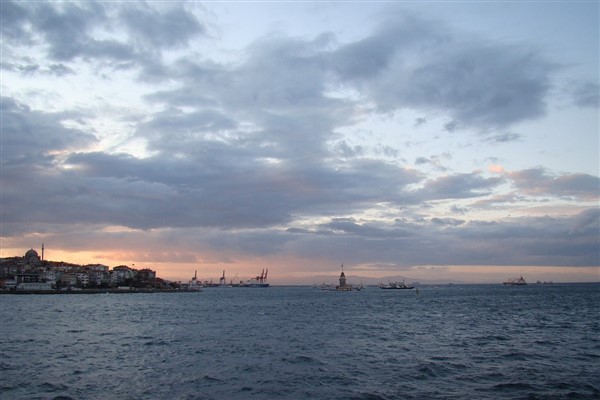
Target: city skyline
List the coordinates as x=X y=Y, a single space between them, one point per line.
x=417 y=139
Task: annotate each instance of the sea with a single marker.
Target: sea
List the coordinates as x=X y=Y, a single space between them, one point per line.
x=440 y=342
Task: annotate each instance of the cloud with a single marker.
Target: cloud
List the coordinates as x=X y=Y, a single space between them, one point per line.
x=540 y=182
x=413 y=63
x=254 y=157
x=448 y=221
x=29 y=135
x=420 y=121
x=31 y=68
x=586 y=94
x=457 y=186
x=173 y=27
x=92 y=31
x=504 y=137
x=551 y=241
x=14 y=18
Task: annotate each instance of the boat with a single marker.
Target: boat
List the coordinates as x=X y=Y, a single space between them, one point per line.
x=327 y=286
x=395 y=285
x=515 y=282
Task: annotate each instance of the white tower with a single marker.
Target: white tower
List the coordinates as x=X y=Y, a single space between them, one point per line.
x=342 y=277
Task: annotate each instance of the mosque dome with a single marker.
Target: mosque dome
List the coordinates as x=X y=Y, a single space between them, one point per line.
x=31 y=253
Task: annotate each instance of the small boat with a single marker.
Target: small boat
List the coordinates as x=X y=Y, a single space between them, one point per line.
x=327 y=286
x=515 y=282
x=395 y=285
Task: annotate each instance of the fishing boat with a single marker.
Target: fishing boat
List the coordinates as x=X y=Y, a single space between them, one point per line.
x=395 y=285
x=515 y=282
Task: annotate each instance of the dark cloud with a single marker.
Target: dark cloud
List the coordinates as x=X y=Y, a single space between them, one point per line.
x=540 y=182
x=66 y=27
x=504 y=137
x=30 y=68
x=420 y=121
x=422 y=160
x=68 y=31
x=457 y=186
x=200 y=179
x=587 y=94
x=560 y=241
x=29 y=135
x=173 y=27
x=248 y=157
x=174 y=130
x=14 y=18
x=413 y=63
x=448 y=221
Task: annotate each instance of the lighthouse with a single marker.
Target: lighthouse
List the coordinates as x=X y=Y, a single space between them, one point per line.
x=344 y=287
x=342 y=277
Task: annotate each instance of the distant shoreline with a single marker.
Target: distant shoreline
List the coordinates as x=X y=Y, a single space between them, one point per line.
x=94 y=291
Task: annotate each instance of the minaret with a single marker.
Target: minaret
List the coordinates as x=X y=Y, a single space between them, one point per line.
x=42 y=251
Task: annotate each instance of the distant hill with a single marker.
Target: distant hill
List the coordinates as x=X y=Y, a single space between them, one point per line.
x=356 y=279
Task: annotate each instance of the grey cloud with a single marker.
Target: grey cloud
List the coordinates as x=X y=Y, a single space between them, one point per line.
x=60 y=70
x=504 y=137
x=218 y=187
x=171 y=28
x=588 y=221
x=345 y=150
x=68 y=31
x=418 y=64
x=539 y=182
x=29 y=135
x=457 y=186
x=533 y=241
x=254 y=151
x=422 y=160
x=14 y=17
x=405 y=62
x=587 y=94
x=447 y=221
x=280 y=87
x=351 y=226
x=459 y=210
x=66 y=26
x=451 y=126
x=281 y=73
x=221 y=185
x=173 y=128
x=30 y=68
x=420 y=121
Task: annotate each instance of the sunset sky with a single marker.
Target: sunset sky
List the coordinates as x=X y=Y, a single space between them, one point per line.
x=437 y=141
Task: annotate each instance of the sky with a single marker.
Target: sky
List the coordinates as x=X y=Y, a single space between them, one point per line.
x=437 y=141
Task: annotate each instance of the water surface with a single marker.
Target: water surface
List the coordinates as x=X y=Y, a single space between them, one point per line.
x=448 y=342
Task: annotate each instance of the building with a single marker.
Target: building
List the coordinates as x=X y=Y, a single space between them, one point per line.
x=343 y=286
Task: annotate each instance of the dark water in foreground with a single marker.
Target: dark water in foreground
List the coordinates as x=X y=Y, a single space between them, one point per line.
x=450 y=342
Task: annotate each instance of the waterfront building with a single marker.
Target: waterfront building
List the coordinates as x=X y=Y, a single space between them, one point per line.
x=343 y=286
